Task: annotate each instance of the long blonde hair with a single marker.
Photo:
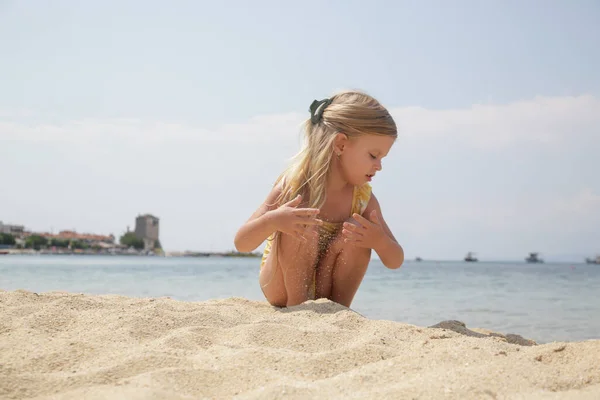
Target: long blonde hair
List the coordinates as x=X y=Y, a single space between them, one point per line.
x=350 y=112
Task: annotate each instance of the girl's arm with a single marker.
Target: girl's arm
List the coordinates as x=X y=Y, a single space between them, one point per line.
x=259 y=226
x=390 y=252
x=270 y=217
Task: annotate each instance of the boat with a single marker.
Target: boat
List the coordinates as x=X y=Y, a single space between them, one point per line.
x=3 y=252
x=418 y=259
x=470 y=258
x=533 y=258
x=592 y=260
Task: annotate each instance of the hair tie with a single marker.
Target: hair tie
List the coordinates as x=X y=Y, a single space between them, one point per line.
x=316 y=111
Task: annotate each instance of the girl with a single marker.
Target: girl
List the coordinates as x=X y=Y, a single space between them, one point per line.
x=321 y=219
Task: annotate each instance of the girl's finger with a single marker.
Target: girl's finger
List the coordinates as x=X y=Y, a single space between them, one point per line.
x=355 y=240
x=347 y=232
x=375 y=217
x=306 y=211
x=294 y=202
x=361 y=220
x=352 y=240
x=309 y=230
x=351 y=227
x=309 y=221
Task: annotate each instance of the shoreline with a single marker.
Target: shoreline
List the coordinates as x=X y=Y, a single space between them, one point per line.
x=68 y=345
x=190 y=254
x=178 y=254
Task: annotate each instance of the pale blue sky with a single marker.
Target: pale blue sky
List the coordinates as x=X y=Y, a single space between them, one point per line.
x=498 y=107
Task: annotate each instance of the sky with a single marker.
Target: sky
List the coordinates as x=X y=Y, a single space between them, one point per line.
x=189 y=110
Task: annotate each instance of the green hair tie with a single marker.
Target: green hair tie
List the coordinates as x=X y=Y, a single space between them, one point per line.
x=316 y=111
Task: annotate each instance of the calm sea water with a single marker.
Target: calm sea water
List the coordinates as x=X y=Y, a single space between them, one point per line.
x=544 y=302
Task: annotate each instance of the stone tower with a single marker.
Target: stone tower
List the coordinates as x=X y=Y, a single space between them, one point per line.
x=146 y=228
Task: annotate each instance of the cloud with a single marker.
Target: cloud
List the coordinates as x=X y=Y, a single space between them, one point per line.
x=262 y=128
x=16 y=113
x=498 y=179
x=568 y=212
x=541 y=120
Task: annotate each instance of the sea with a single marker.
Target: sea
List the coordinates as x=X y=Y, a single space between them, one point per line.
x=544 y=302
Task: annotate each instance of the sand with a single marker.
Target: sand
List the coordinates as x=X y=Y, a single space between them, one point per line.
x=74 y=346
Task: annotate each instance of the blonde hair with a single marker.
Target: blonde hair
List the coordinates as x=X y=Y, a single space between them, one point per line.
x=353 y=113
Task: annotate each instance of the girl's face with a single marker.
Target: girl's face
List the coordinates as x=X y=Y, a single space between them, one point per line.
x=361 y=157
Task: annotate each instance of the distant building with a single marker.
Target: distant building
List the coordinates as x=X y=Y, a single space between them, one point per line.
x=15 y=230
x=89 y=238
x=146 y=228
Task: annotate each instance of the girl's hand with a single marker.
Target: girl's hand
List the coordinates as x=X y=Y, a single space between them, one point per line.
x=364 y=233
x=296 y=222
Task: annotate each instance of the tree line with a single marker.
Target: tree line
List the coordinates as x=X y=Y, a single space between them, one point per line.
x=37 y=242
x=7 y=239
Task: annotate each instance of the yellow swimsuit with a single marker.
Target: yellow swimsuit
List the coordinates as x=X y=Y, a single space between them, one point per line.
x=329 y=230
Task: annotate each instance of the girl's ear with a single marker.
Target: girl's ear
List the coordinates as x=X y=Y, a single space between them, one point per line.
x=339 y=143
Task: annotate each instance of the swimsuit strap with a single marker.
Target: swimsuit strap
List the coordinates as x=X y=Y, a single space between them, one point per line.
x=360 y=200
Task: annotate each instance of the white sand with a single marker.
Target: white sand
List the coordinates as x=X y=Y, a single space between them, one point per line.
x=72 y=346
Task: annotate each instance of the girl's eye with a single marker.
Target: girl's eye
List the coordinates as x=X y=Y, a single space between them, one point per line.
x=372 y=156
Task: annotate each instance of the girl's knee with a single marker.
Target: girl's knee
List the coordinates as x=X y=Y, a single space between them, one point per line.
x=273 y=287
x=350 y=269
x=289 y=266
x=356 y=252
x=279 y=302
x=291 y=248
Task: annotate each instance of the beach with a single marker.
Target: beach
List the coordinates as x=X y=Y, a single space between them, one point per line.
x=59 y=345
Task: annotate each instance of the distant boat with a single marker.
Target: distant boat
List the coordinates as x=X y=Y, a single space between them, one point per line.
x=533 y=258
x=418 y=259
x=593 y=261
x=470 y=258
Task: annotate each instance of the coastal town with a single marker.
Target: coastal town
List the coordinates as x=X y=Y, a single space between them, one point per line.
x=142 y=241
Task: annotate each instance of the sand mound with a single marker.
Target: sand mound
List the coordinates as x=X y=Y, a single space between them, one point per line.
x=72 y=346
